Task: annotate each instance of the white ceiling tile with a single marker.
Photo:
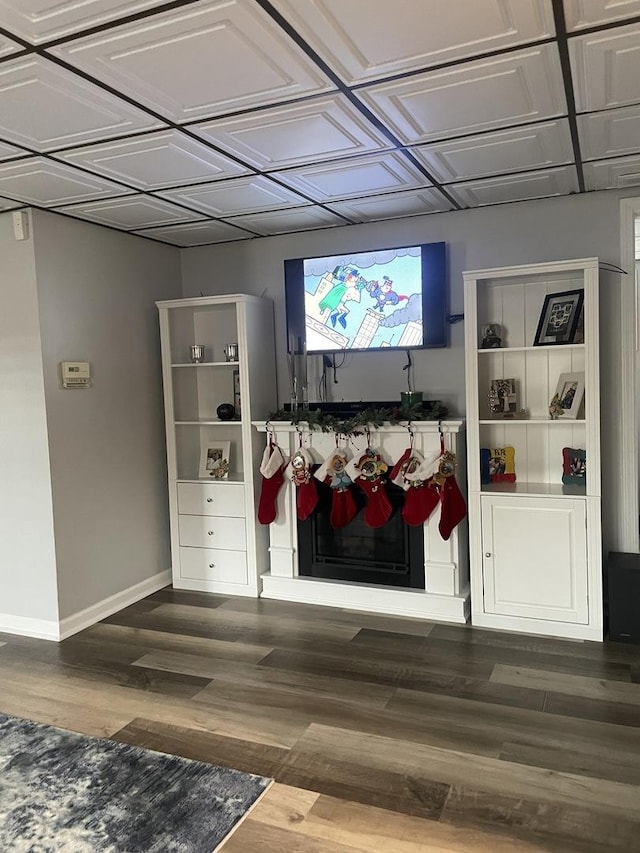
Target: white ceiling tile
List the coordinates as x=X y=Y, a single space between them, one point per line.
x=156 y=160
x=43 y=182
x=368 y=39
x=613 y=174
x=588 y=13
x=8 y=46
x=9 y=152
x=199 y=61
x=39 y=21
x=286 y=221
x=605 y=67
x=530 y=147
x=360 y=176
x=393 y=205
x=7 y=204
x=547 y=182
x=481 y=95
x=609 y=133
x=321 y=129
x=132 y=212
x=237 y=196
x=44 y=106
x=196 y=234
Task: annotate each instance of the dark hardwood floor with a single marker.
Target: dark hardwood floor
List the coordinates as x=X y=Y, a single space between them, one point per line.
x=383 y=734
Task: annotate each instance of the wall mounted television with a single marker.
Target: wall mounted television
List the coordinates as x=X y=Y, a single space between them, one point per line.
x=379 y=300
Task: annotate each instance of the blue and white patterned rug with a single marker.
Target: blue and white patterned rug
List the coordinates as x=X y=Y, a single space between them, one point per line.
x=61 y=792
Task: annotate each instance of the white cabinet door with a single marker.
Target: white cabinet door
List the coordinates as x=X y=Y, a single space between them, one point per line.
x=535 y=558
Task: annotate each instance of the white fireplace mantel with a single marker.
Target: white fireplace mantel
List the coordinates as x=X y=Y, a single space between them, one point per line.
x=446 y=593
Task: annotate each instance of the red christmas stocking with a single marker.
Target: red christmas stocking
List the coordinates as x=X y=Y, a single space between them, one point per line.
x=453 y=508
x=420 y=501
x=299 y=471
x=333 y=473
x=272 y=470
x=378 y=509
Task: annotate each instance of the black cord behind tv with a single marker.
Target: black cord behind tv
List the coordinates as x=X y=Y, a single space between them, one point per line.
x=381 y=300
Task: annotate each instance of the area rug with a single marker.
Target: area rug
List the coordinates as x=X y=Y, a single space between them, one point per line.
x=61 y=792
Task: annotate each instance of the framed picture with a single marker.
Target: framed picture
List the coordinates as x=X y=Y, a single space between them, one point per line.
x=214 y=460
x=569 y=395
x=574 y=466
x=503 y=401
x=497 y=465
x=559 y=318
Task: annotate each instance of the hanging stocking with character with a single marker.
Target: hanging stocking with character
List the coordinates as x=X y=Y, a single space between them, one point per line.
x=452 y=504
x=369 y=472
x=413 y=474
x=300 y=472
x=333 y=473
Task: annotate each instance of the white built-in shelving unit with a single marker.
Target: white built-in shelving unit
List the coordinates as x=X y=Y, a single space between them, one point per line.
x=216 y=544
x=535 y=545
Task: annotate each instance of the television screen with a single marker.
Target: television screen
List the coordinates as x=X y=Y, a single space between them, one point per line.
x=377 y=300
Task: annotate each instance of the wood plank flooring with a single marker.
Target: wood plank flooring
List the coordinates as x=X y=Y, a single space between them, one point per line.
x=382 y=734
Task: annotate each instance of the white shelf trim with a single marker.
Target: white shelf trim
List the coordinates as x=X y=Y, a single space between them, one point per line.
x=542 y=348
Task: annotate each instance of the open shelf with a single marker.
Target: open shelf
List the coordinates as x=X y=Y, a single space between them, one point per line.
x=547 y=348
x=523 y=488
x=215 y=422
x=206 y=364
x=532 y=421
x=232 y=478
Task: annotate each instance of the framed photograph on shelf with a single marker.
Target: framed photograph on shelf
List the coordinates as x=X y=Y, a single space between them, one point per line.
x=503 y=400
x=559 y=318
x=236 y=393
x=214 y=460
x=574 y=466
x=569 y=395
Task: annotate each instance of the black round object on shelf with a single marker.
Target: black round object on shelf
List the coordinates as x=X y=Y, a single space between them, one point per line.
x=226 y=412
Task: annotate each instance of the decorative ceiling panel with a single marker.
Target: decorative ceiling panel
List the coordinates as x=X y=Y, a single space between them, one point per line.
x=39 y=21
x=321 y=129
x=136 y=211
x=481 y=95
x=8 y=46
x=548 y=182
x=392 y=205
x=620 y=173
x=365 y=40
x=588 y=13
x=237 y=196
x=156 y=160
x=9 y=152
x=43 y=106
x=360 y=176
x=230 y=54
x=196 y=234
x=534 y=146
x=45 y=183
x=610 y=133
x=605 y=68
x=293 y=219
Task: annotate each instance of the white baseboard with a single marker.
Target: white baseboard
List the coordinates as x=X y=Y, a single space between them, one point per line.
x=41 y=629
x=108 y=606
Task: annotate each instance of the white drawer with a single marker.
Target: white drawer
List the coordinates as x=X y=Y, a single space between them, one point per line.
x=213 y=564
x=211 y=499
x=201 y=531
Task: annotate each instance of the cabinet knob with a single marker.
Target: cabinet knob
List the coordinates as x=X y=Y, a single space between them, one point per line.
x=212 y=565
x=209 y=500
x=488 y=554
x=210 y=532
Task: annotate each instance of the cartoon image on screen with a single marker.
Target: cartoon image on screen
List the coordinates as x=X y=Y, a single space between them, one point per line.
x=372 y=301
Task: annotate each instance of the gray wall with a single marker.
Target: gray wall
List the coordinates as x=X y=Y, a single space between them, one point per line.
x=549 y=229
x=27 y=554
x=96 y=291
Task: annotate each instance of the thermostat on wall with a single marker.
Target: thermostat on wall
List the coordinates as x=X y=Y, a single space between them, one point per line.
x=75 y=374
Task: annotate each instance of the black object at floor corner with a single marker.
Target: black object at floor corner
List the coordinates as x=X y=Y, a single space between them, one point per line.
x=623 y=592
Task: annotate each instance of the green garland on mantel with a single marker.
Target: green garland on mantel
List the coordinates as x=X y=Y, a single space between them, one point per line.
x=365 y=419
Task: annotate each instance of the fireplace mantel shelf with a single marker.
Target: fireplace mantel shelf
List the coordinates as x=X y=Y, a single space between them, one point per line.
x=445 y=596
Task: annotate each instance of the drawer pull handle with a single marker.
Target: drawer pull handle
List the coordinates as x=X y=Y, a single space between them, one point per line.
x=210 y=532
x=209 y=500
x=212 y=565
x=488 y=554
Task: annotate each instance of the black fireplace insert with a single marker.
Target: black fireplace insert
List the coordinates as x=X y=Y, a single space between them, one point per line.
x=392 y=555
